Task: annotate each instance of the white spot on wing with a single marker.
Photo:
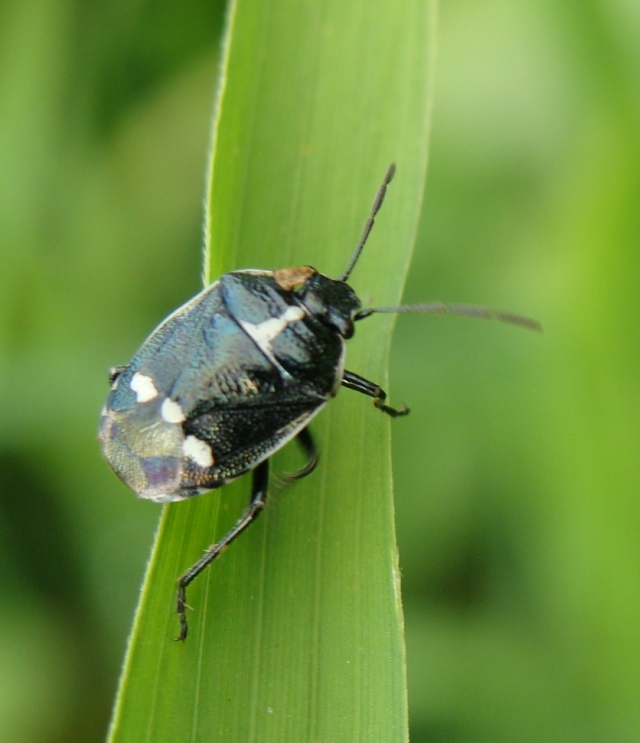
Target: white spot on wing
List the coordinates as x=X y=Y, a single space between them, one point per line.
x=293 y=313
x=198 y=450
x=263 y=333
x=172 y=412
x=143 y=387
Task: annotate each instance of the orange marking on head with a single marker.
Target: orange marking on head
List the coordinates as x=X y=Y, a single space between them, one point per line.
x=288 y=278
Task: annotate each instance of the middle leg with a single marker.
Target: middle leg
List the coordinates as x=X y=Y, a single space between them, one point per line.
x=308 y=446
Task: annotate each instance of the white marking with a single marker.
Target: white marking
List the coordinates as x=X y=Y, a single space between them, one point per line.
x=172 y=412
x=164 y=498
x=198 y=450
x=340 y=368
x=263 y=333
x=143 y=387
x=293 y=313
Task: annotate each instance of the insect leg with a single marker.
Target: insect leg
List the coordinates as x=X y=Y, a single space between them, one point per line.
x=114 y=373
x=307 y=444
x=360 y=384
x=259 y=485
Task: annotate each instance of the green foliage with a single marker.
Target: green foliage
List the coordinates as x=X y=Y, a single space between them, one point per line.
x=516 y=474
x=297 y=629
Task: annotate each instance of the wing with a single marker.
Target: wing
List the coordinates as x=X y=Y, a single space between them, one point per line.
x=238 y=439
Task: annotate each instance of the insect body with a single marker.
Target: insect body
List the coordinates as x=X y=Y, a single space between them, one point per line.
x=232 y=376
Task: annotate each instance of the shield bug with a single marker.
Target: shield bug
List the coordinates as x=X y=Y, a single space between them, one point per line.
x=232 y=376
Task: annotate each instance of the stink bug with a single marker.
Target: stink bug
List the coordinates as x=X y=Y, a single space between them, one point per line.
x=232 y=376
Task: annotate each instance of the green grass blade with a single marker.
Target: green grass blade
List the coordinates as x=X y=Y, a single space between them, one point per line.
x=296 y=633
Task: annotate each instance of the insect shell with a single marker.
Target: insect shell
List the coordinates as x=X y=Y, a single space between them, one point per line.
x=227 y=380
x=232 y=376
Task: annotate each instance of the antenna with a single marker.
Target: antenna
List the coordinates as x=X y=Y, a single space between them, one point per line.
x=377 y=203
x=437 y=308
x=433 y=308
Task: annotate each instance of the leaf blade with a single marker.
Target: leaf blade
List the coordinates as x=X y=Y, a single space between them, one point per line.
x=297 y=629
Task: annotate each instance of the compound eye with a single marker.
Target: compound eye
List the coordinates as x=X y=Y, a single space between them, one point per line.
x=290 y=278
x=344 y=325
x=348 y=330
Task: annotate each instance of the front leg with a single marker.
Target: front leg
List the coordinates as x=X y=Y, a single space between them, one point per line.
x=259 y=486
x=360 y=384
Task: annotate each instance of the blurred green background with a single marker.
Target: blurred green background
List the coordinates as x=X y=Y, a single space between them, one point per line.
x=517 y=481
